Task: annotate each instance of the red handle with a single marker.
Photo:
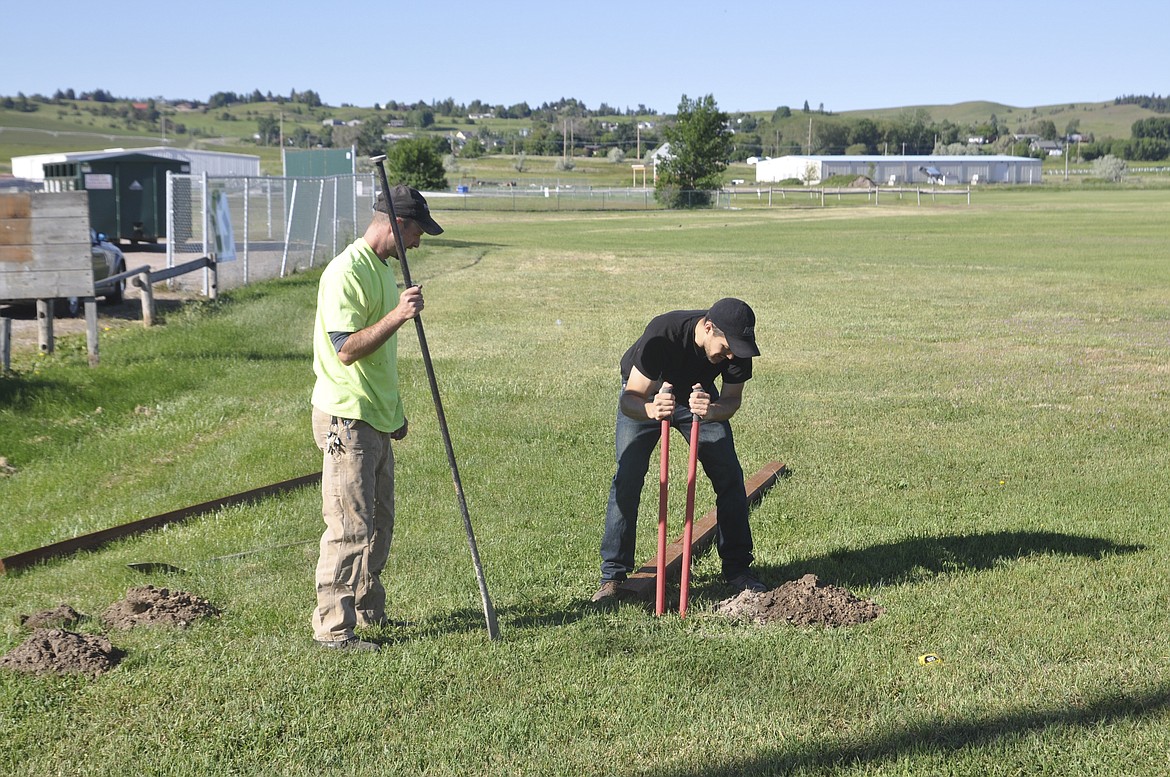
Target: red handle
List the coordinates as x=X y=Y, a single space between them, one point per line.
x=663 y=475
x=688 y=526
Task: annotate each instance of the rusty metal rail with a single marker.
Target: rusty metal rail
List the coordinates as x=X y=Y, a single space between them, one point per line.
x=641 y=584
x=99 y=538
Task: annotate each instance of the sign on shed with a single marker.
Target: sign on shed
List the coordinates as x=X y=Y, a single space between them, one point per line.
x=44 y=246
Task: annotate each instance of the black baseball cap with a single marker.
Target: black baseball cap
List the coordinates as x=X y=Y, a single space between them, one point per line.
x=737 y=321
x=409 y=204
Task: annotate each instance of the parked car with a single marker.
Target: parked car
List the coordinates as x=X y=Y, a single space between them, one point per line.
x=107 y=260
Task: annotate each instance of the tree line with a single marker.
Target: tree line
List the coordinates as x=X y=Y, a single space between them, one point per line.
x=568 y=127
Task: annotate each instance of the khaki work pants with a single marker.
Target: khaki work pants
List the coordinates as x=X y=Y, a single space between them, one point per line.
x=357 y=503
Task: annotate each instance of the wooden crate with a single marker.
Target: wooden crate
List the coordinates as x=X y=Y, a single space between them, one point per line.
x=45 y=250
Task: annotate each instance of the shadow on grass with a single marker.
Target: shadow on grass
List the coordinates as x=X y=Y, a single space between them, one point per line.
x=518 y=617
x=510 y=617
x=932 y=738
x=920 y=557
x=129 y=309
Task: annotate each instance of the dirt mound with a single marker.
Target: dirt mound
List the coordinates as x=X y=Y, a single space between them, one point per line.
x=150 y=606
x=56 y=651
x=803 y=602
x=61 y=617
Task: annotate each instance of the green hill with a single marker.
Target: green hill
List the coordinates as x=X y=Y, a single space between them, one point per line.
x=30 y=127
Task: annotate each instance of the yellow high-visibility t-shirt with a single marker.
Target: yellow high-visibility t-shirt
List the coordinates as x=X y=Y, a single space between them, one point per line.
x=356 y=290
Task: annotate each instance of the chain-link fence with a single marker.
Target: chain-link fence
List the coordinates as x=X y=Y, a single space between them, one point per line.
x=283 y=225
x=267 y=227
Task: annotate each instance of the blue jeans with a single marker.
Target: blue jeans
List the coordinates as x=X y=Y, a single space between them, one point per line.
x=635 y=441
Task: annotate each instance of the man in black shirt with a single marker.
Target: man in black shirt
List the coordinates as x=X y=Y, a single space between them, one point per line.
x=669 y=373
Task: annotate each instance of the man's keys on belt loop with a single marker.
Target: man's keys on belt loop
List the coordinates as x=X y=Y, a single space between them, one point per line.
x=333 y=444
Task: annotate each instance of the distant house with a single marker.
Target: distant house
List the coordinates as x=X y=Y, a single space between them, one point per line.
x=354 y=123
x=331 y=123
x=976 y=140
x=1049 y=147
x=474 y=116
x=660 y=154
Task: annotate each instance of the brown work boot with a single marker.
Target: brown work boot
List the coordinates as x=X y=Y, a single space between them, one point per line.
x=609 y=590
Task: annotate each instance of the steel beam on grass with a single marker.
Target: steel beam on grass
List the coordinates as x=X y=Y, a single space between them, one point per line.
x=643 y=583
x=99 y=538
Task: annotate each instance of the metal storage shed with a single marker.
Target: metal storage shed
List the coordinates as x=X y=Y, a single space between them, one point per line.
x=127 y=191
x=959 y=169
x=211 y=162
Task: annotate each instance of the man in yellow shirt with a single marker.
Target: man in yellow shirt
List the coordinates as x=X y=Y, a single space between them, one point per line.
x=357 y=412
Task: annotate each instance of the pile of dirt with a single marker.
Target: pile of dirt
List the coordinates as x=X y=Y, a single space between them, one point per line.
x=56 y=651
x=149 y=606
x=61 y=617
x=803 y=602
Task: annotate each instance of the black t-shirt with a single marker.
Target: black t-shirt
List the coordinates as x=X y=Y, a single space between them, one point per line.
x=667 y=351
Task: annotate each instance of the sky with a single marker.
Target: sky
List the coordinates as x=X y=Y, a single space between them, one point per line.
x=750 y=55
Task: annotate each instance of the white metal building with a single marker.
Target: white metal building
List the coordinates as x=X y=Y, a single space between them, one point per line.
x=903 y=169
x=211 y=162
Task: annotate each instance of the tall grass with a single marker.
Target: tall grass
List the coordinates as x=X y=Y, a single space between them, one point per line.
x=972 y=401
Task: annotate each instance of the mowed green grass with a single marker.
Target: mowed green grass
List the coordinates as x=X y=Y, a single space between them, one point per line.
x=972 y=401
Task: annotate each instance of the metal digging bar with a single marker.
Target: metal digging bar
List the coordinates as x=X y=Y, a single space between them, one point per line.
x=489 y=611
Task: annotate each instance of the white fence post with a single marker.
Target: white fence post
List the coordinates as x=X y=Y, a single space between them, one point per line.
x=170 y=219
x=317 y=220
x=247 y=196
x=288 y=229
x=206 y=230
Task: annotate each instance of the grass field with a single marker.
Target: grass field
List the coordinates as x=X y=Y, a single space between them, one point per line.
x=972 y=401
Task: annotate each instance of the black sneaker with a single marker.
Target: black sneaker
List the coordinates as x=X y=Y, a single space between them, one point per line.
x=608 y=590
x=746 y=582
x=353 y=643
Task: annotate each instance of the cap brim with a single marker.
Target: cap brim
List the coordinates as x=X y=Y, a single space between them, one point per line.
x=742 y=349
x=429 y=225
